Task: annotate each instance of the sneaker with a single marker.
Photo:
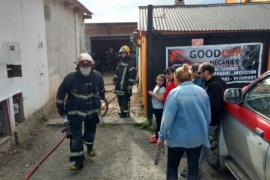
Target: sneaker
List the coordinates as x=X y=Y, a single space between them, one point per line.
x=184 y=172
x=153 y=140
x=78 y=165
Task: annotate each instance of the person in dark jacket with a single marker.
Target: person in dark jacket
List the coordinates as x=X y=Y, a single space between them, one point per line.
x=112 y=60
x=214 y=87
x=78 y=99
x=123 y=80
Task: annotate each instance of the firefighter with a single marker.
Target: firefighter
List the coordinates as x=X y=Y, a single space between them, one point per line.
x=123 y=80
x=112 y=60
x=84 y=89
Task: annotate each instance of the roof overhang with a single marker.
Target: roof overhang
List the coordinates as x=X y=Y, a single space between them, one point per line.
x=77 y=6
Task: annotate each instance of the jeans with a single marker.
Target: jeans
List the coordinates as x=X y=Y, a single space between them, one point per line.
x=204 y=149
x=173 y=161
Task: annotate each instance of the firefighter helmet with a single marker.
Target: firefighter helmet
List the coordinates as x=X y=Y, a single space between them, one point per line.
x=125 y=49
x=85 y=58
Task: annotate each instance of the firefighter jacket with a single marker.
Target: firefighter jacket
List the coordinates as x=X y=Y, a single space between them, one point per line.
x=112 y=57
x=124 y=76
x=83 y=94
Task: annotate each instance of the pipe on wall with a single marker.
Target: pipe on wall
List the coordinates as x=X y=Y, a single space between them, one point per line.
x=149 y=58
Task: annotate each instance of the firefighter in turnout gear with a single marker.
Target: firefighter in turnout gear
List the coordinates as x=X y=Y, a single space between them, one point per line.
x=123 y=80
x=112 y=60
x=78 y=99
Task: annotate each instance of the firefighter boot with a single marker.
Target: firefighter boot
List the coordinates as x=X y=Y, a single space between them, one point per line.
x=78 y=165
x=124 y=115
x=120 y=113
x=90 y=151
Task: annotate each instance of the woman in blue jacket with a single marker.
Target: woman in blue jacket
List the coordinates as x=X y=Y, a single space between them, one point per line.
x=184 y=124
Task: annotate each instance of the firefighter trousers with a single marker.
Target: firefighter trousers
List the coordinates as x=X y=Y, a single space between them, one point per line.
x=79 y=138
x=123 y=102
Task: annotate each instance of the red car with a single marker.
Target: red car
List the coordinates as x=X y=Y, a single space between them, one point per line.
x=242 y=141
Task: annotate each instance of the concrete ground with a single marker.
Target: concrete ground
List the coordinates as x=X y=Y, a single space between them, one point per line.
x=122 y=152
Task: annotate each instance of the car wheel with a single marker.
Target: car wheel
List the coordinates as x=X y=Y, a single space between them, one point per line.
x=212 y=154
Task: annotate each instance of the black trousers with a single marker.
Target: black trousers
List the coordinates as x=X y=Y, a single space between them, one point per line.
x=111 y=66
x=173 y=161
x=79 y=138
x=158 y=116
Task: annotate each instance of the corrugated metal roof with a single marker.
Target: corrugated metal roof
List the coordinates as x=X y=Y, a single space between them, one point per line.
x=214 y=17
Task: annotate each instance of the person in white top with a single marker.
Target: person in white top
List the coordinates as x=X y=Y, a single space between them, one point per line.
x=157 y=98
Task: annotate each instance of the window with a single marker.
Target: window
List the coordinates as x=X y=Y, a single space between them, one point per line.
x=259 y=97
x=14 y=71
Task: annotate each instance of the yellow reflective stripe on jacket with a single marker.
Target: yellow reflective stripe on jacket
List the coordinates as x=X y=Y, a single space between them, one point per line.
x=80 y=96
x=93 y=111
x=83 y=114
x=131 y=80
x=131 y=68
x=60 y=101
x=123 y=75
x=76 y=112
x=121 y=93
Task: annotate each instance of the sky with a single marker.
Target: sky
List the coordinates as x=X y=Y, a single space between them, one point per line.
x=127 y=11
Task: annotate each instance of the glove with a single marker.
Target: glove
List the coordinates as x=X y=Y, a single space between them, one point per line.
x=101 y=95
x=94 y=117
x=62 y=112
x=68 y=132
x=67 y=129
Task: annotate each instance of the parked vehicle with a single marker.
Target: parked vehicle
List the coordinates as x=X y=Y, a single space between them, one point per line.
x=242 y=140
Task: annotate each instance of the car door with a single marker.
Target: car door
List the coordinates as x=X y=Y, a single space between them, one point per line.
x=246 y=128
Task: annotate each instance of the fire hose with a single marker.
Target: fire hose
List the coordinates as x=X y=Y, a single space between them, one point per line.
x=43 y=158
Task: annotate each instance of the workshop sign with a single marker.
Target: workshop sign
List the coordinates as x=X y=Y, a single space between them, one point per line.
x=235 y=63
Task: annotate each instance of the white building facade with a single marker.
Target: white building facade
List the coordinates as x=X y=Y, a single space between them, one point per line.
x=39 y=43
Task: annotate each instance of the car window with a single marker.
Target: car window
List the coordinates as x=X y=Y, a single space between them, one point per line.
x=258 y=98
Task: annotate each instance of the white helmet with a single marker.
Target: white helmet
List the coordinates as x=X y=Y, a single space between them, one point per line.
x=85 y=58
